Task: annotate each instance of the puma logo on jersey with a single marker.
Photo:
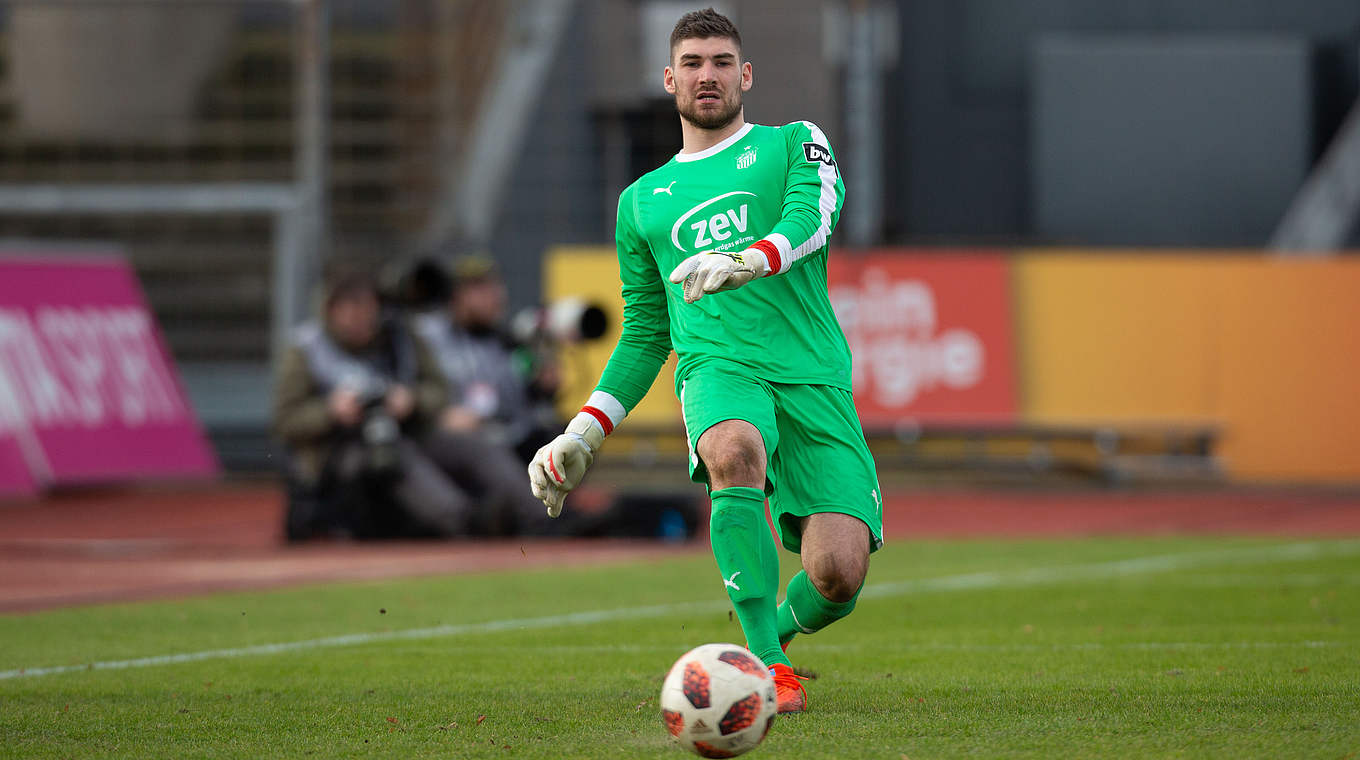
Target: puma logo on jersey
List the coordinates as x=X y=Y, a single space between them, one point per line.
x=666 y=189
x=732 y=582
x=713 y=226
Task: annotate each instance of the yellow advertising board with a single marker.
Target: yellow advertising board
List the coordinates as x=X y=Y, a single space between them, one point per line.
x=591 y=273
x=1265 y=347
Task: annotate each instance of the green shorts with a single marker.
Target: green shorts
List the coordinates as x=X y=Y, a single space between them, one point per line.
x=818 y=460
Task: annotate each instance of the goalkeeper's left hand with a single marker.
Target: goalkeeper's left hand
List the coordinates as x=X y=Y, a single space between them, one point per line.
x=559 y=466
x=712 y=271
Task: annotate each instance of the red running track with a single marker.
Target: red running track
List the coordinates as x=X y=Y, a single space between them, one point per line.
x=103 y=546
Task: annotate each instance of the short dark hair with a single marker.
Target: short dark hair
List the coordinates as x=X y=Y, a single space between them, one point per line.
x=703 y=25
x=348 y=282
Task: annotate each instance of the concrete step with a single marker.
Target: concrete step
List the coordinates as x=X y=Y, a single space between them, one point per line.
x=217 y=340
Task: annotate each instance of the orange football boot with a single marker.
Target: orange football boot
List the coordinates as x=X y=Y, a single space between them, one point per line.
x=790 y=697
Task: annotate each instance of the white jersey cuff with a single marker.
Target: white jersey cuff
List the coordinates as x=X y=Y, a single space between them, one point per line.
x=608 y=406
x=781 y=244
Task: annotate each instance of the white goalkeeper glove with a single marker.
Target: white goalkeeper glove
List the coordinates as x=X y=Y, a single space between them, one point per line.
x=712 y=271
x=558 y=467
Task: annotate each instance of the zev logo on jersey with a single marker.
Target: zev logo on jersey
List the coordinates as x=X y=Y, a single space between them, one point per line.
x=714 y=226
x=818 y=154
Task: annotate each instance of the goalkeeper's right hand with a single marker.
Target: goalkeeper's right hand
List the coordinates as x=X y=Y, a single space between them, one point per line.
x=558 y=467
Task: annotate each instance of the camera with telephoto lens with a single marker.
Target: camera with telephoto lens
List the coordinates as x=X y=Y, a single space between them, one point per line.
x=378 y=430
x=569 y=320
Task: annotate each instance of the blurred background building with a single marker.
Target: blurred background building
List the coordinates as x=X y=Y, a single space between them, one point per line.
x=230 y=147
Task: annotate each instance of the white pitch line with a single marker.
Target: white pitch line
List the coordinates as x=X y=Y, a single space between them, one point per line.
x=964 y=582
x=434 y=632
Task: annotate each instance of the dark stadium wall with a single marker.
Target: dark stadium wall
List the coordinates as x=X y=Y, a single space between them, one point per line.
x=1162 y=140
x=962 y=109
x=555 y=194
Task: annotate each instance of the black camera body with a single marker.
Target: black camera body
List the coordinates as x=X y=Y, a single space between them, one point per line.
x=378 y=430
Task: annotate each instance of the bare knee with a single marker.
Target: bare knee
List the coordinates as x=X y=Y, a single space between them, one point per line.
x=838 y=578
x=734 y=454
x=836 y=554
x=735 y=464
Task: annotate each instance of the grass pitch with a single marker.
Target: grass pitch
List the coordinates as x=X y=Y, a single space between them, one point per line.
x=1092 y=648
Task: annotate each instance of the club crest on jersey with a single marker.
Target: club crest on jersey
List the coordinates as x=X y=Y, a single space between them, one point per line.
x=747 y=157
x=818 y=154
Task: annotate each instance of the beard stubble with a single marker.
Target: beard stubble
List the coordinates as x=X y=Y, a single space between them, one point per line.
x=713 y=120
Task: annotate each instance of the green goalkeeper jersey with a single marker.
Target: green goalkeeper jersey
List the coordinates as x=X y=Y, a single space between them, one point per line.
x=776 y=189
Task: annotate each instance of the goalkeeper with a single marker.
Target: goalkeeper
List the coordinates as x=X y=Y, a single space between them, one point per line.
x=722 y=253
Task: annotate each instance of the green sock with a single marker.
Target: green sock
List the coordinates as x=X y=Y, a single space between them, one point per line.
x=805 y=610
x=749 y=564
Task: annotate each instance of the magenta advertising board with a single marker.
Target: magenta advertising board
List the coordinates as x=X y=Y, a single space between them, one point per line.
x=87 y=390
x=15 y=479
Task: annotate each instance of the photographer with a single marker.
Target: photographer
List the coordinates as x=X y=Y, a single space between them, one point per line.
x=499 y=388
x=356 y=396
x=499 y=395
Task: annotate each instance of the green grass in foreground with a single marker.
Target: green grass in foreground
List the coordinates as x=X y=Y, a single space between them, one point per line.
x=1233 y=648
